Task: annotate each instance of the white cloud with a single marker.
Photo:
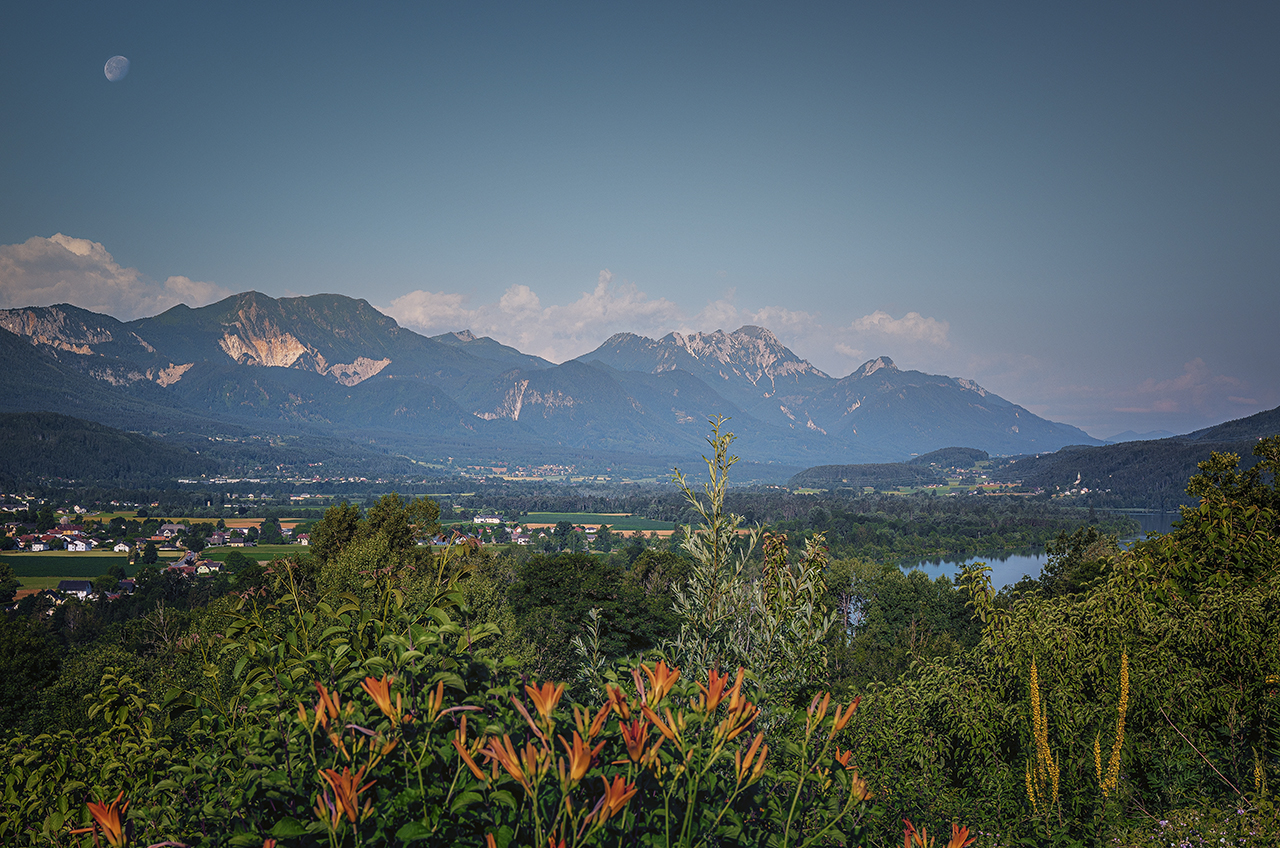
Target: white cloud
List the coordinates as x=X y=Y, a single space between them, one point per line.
x=62 y=269
x=556 y=332
x=912 y=326
x=1196 y=389
x=562 y=331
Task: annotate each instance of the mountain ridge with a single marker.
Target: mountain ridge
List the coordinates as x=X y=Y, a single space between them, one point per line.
x=333 y=364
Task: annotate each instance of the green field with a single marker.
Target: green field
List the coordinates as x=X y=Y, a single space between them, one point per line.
x=620 y=523
x=65 y=564
x=258 y=552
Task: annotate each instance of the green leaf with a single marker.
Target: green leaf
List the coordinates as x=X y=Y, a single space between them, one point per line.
x=413 y=831
x=465 y=800
x=288 y=827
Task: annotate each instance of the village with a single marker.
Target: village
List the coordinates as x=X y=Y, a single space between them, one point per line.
x=193 y=549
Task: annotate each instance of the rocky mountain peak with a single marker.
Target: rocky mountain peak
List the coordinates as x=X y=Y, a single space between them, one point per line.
x=874 y=365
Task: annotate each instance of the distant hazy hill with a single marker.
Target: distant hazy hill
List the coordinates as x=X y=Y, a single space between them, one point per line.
x=1131 y=436
x=952 y=458
x=333 y=367
x=1149 y=474
x=45 y=447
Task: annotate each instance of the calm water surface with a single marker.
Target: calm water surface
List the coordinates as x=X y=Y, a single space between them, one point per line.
x=1008 y=567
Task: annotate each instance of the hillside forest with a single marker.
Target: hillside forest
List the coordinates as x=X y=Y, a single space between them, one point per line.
x=742 y=686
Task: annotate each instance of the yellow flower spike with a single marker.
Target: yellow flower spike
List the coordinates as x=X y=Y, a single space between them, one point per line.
x=302 y=714
x=545 y=698
x=842 y=757
x=662 y=679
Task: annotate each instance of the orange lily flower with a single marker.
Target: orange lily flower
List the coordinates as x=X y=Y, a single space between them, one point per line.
x=434 y=701
x=842 y=719
x=580 y=720
x=380 y=691
x=737 y=720
x=960 y=837
x=580 y=757
x=615 y=798
x=735 y=692
x=459 y=741
x=743 y=764
x=526 y=766
x=667 y=730
x=346 y=792
x=634 y=736
x=108 y=818
x=545 y=698
x=713 y=693
x=817 y=711
x=329 y=703
x=858 y=786
x=661 y=678
x=618 y=702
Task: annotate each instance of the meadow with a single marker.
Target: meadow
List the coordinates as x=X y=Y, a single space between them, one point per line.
x=617 y=523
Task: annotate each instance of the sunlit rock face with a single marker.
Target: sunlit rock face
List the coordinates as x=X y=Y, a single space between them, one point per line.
x=55 y=327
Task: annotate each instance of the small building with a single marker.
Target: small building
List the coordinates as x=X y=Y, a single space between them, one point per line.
x=487 y=518
x=77 y=588
x=122 y=548
x=304 y=539
x=80 y=545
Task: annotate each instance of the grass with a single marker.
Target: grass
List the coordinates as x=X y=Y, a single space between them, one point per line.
x=258 y=552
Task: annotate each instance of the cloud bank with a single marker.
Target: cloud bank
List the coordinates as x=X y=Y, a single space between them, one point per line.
x=62 y=269
x=559 y=332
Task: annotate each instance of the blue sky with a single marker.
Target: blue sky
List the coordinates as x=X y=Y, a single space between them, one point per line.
x=1075 y=204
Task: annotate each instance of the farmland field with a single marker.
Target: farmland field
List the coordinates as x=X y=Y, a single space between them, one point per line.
x=258 y=552
x=70 y=565
x=617 y=523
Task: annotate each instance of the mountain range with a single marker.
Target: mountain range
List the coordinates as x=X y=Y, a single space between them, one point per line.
x=333 y=367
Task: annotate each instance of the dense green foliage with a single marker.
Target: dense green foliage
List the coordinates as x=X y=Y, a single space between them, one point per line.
x=48 y=446
x=319 y=701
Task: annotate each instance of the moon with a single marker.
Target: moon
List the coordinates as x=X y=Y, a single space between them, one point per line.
x=116 y=68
